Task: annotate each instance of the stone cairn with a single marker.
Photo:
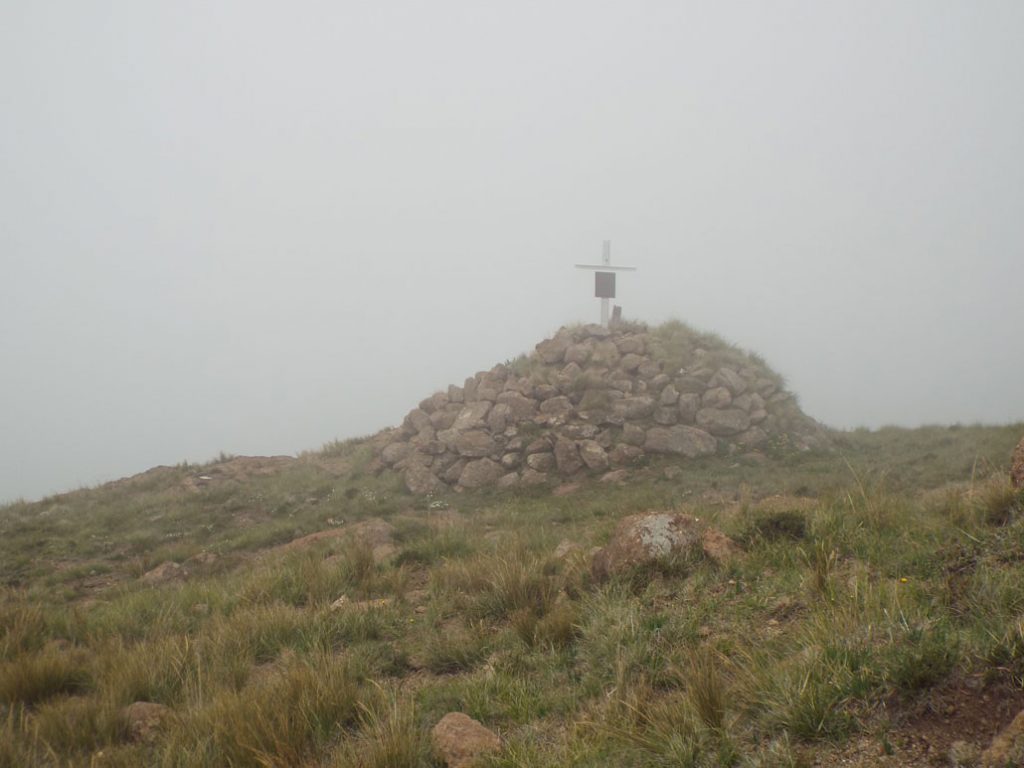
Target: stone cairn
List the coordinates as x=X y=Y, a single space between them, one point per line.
x=589 y=400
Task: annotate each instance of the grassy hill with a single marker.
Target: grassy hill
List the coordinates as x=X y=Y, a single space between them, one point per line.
x=874 y=620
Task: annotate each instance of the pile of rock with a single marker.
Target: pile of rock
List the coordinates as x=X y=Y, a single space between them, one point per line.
x=588 y=400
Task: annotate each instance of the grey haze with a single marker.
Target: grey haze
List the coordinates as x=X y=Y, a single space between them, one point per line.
x=258 y=226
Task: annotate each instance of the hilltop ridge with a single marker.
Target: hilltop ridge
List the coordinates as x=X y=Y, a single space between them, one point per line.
x=592 y=399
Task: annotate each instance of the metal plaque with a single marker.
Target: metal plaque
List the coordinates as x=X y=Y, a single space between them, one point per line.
x=604 y=285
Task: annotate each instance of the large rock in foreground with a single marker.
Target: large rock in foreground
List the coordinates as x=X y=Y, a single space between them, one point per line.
x=650 y=538
x=460 y=741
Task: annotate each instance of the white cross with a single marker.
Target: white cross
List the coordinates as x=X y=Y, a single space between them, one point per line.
x=605 y=267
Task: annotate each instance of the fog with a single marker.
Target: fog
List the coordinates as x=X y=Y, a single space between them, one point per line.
x=255 y=227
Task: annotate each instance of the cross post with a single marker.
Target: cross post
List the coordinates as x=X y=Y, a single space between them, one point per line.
x=604 y=279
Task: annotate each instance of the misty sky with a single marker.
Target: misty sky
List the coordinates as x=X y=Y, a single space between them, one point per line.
x=258 y=226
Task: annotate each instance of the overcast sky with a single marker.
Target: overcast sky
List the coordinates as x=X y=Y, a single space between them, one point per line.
x=258 y=226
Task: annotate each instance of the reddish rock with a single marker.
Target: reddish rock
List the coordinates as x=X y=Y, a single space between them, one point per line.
x=651 y=537
x=461 y=742
x=719 y=547
x=164 y=573
x=144 y=720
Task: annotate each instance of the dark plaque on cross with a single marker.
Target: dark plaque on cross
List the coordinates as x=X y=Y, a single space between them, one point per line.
x=604 y=278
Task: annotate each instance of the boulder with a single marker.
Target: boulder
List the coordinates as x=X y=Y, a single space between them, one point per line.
x=669 y=396
x=552 y=351
x=567 y=457
x=579 y=431
x=666 y=415
x=545 y=391
x=472 y=416
x=633 y=408
x=596 y=331
x=625 y=455
x=752 y=437
x=723 y=421
x=459 y=741
x=716 y=397
x=497 y=419
x=541 y=462
x=421 y=481
x=395 y=452
x=511 y=460
x=556 y=406
x=475 y=443
x=680 y=440
x=1017 y=466
x=749 y=402
x=533 y=477
x=688 y=406
x=630 y=362
x=615 y=476
x=630 y=344
x=417 y=419
x=605 y=354
x=648 y=538
x=509 y=480
x=649 y=370
x=730 y=379
x=164 y=573
x=520 y=407
x=578 y=353
x=144 y=719
x=689 y=384
x=445 y=418
x=539 y=445
x=633 y=435
x=480 y=473
x=454 y=472
x=644 y=540
x=593 y=455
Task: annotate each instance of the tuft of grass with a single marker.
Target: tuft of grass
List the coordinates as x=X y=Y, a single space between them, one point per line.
x=449 y=650
x=496 y=587
x=998 y=501
x=281 y=722
x=782 y=525
x=925 y=656
x=389 y=736
x=34 y=678
x=706 y=687
x=822 y=558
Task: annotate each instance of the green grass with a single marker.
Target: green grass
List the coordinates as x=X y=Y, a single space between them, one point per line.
x=873 y=575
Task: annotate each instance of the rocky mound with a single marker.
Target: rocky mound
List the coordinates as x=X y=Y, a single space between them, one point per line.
x=593 y=398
